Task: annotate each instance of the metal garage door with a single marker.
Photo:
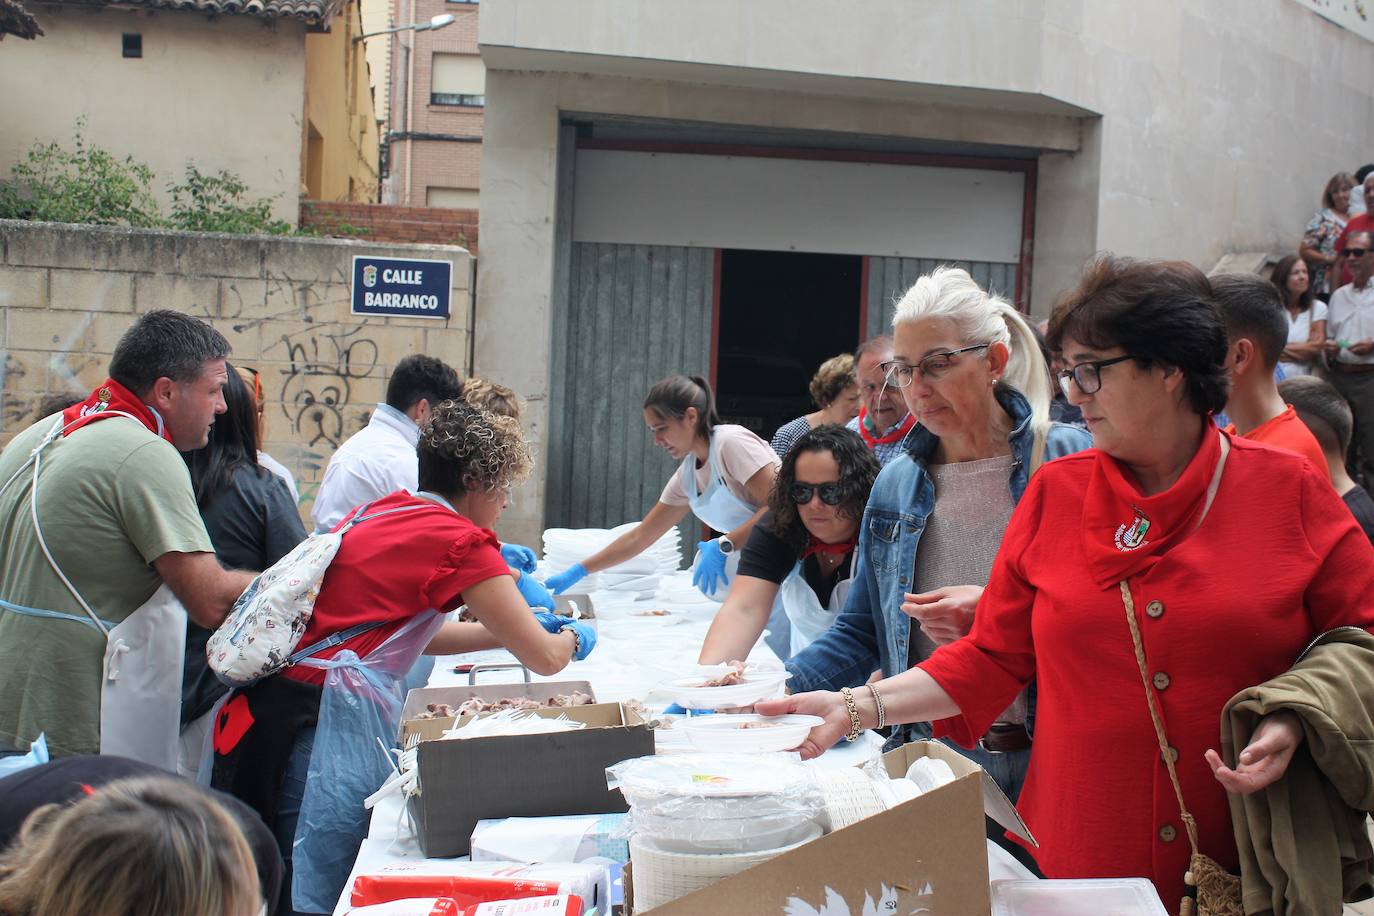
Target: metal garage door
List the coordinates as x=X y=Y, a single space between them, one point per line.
x=889 y=278
x=634 y=314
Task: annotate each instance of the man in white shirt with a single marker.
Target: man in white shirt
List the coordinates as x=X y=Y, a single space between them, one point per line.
x=1350 y=346
x=381 y=458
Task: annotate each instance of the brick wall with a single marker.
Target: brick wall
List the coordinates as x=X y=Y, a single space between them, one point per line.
x=380 y=223
x=68 y=292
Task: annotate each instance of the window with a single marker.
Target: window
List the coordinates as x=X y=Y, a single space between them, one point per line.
x=458 y=198
x=133 y=44
x=457 y=79
x=457 y=98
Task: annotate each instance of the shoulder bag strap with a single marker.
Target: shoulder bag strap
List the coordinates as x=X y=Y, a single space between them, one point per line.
x=344 y=636
x=1188 y=822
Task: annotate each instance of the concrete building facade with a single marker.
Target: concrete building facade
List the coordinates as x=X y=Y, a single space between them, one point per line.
x=632 y=143
x=435 y=109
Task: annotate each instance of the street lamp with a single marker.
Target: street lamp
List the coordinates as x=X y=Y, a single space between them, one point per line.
x=438 y=22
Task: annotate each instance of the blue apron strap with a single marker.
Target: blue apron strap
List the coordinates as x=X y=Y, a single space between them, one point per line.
x=52 y=615
x=338 y=638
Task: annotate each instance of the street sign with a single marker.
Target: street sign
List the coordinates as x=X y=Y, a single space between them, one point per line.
x=401 y=287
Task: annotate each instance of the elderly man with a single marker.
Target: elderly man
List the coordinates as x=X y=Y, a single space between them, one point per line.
x=96 y=516
x=1350 y=346
x=883 y=421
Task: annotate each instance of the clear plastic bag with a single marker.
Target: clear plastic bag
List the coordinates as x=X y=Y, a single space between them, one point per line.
x=360 y=707
x=719 y=803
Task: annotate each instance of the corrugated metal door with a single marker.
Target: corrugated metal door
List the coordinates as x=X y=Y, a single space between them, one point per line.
x=890 y=278
x=634 y=314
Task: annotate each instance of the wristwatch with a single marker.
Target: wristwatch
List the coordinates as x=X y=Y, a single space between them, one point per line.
x=727 y=546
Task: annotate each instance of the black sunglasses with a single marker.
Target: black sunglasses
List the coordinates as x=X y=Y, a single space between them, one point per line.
x=832 y=494
x=1356 y=252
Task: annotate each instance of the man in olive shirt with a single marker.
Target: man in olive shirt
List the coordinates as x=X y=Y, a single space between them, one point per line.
x=119 y=517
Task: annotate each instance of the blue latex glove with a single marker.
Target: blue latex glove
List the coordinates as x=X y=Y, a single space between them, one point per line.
x=676 y=710
x=551 y=623
x=560 y=583
x=586 y=638
x=518 y=557
x=710 y=570
x=535 y=595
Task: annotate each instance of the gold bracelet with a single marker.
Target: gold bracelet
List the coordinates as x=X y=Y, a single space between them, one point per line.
x=853 y=708
x=878 y=701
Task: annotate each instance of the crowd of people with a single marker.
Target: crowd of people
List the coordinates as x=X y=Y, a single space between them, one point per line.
x=945 y=548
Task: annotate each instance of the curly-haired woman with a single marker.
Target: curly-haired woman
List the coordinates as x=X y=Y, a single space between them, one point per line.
x=802 y=548
x=835 y=390
x=406 y=560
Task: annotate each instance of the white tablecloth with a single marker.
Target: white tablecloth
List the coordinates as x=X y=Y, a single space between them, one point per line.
x=633 y=655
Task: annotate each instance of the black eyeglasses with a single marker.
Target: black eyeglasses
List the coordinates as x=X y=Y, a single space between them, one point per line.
x=1088 y=376
x=1357 y=252
x=899 y=375
x=832 y=494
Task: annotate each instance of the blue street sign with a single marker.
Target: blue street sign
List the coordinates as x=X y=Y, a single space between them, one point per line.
x=401 y=287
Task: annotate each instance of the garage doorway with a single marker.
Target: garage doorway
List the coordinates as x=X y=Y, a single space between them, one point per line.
x=780 y=315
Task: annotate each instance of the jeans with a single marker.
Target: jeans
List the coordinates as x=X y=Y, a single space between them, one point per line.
x=289 y=808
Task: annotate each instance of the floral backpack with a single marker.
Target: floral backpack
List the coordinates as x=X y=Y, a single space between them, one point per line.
x=260 y=635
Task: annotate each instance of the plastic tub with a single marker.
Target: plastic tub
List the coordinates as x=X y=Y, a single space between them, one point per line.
x=728 y=734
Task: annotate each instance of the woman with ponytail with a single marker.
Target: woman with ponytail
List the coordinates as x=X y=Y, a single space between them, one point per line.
x=974 y=378
x=725 y=478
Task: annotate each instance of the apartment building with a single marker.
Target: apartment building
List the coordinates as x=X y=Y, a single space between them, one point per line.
x=435 y=90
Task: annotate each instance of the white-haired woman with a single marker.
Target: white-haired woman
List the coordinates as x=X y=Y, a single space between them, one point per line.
x=973 y=376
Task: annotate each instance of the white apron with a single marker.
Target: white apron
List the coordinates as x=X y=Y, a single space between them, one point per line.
x=140 y=685
x=717 y=507
x=809 y=618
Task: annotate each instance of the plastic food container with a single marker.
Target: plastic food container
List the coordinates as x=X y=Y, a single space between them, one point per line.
x=765 y=734
x=1077 y=897
x=724 y=835
x=754 y=686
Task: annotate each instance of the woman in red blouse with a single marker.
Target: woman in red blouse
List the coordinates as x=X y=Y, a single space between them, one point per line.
x=412 y=558
x=1236 y=556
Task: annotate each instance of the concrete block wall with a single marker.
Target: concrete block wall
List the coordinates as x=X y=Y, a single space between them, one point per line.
x=68 y=292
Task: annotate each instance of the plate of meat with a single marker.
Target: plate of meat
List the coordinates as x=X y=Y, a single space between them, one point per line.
x=737 y=685
x=748 y=733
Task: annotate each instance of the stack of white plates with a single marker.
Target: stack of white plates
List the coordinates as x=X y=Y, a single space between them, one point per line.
x=637 y=576
x=662 y=875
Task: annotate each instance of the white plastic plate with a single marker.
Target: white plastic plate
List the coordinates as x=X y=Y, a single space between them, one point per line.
x=726 y=734
x=754 y=687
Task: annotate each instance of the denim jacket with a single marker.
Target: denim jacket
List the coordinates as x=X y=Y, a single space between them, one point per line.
x=872 y=631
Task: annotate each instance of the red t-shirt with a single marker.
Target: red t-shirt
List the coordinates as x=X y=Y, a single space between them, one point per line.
x=394 y=567
x=1360 y=222
x=1287 y=431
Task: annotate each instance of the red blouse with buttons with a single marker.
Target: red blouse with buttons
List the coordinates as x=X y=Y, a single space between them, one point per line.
x=1277 y=560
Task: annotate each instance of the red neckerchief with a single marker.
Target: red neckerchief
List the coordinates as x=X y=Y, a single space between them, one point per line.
x=819 y=546
x=895 y=436
x=111 y=396
x=1126 y=533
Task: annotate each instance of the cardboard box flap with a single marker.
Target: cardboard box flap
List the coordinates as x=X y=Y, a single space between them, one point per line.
x=464 y=781
x=995 y=803
x=924 y=856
